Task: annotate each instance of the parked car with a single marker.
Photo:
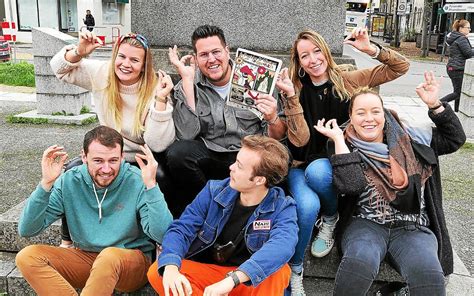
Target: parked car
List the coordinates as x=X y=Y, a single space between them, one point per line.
x=4 y=50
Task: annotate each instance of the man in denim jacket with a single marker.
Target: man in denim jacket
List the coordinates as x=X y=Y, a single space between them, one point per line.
x=238 y=230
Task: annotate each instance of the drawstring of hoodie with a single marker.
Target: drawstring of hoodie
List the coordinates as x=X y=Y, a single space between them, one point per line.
x=99 y=203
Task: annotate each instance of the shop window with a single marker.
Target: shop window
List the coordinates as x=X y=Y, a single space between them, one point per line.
x=37 y=13
x=111 y=12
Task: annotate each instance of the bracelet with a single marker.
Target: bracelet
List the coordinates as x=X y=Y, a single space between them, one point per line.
x=234 y=277
x=272 y=122
x=435 y=107
x=77 y=53
x=161 y=99
x=377 y=52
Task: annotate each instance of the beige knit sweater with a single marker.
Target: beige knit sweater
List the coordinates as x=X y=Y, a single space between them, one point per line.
x=92 y=75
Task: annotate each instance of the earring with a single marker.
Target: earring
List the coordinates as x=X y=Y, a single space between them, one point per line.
x=299 y=72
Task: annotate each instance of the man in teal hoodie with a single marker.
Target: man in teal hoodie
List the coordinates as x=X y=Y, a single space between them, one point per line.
x=114 y=211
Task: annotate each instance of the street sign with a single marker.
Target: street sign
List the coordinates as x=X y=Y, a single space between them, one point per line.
x=459 y=7
x=401 y=7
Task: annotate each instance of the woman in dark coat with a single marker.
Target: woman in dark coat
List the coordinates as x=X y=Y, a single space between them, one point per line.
x=392 y=205
x=459 y=51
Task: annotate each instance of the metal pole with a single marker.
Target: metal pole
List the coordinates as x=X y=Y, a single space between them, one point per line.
x=397 y=30
x=11 y=24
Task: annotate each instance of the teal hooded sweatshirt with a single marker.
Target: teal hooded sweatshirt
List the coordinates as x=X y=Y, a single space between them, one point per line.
x=131 y=214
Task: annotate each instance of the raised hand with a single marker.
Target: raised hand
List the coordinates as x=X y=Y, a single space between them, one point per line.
x=284 y=83
x=88 y=42
x=185 y=66
x=176 y=281
x=52 y=164
x=428 y=91
x=149 y=168
x=165 y=84
x=359 y=38
x=330 y=129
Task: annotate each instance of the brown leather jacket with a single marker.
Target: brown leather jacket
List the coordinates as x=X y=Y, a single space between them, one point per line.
x=393 y=66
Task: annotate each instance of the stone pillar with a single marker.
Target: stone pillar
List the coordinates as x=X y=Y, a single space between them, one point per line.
x=54 y=96
x=466 y=106
x=265 y=26
x=268 y=25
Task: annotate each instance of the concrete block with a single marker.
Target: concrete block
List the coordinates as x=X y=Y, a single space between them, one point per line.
x=7 y=264
x=68 y=104
x=51 y=85
x=47 y=42
x=469 y=67
x=256 y=25
x=81 y=119
x=466 y=105
x=468 y=84
x=42 y=66
x=12 y=242
x=467 y=124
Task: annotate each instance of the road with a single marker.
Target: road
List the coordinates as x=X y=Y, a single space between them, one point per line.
x=405 y=85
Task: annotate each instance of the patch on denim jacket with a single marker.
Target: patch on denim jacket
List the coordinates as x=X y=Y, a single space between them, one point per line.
x=262 y=224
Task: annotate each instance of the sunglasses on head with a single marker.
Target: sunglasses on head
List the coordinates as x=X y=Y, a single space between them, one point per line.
x=140 y=38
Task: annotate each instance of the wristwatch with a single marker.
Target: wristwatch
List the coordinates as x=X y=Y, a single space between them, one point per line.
x=234 y=277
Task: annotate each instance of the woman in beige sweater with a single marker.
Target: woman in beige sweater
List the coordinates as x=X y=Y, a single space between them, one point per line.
x=127 y=93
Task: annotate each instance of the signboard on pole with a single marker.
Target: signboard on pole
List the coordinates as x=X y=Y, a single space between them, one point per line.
x=458 y=7
x=401 y=7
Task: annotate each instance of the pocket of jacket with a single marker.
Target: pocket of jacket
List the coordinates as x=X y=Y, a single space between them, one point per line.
x=256 y=240
x=207 y=233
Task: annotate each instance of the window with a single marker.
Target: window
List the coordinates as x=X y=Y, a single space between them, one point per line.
x=111 y=12
x=37 y=13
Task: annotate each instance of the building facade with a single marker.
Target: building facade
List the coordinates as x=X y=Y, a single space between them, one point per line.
x=112 y=17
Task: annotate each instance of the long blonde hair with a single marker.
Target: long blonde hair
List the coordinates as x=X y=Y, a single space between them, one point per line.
x=113 y=104
x=333 y=70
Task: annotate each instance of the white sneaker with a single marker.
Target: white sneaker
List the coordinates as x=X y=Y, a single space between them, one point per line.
x=324 y=241
x=296 y=283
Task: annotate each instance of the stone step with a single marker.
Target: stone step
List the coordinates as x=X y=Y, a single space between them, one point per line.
x=10 y=241
x=325 y=267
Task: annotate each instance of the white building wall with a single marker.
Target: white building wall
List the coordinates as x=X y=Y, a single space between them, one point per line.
x=82 y=5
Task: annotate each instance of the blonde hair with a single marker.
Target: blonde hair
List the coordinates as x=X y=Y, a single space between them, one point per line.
x=333 y=70
x=113 y=103
x=459 y=24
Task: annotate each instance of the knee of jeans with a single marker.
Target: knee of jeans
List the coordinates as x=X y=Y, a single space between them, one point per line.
x=418 y=273
x=176 y=154
x=26 y=256
x=319 y=173
x=355 y=265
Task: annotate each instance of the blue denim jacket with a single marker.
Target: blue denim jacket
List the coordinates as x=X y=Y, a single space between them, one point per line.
x=271 y=233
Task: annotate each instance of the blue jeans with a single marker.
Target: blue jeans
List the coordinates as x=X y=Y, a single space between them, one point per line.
x=412 y=251
x=311 y=188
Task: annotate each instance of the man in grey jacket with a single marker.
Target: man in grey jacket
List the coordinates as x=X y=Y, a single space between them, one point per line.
x=209 y=131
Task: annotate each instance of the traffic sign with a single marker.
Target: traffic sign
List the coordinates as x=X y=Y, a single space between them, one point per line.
x=458 y=7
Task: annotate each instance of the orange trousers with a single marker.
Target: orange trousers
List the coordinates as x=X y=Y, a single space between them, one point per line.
x=60 y=271
x=201 y=275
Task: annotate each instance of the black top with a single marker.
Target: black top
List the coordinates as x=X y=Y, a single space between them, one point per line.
x=459 y=50
x=318 y=102
x=237 y=221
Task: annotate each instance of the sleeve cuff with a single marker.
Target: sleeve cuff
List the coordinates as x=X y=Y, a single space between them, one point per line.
x=161 y=116
x=345 y=159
